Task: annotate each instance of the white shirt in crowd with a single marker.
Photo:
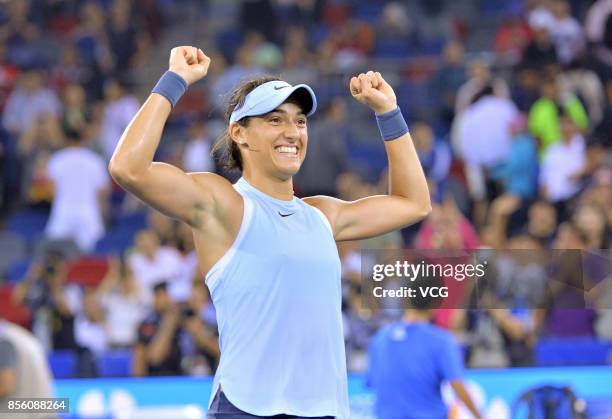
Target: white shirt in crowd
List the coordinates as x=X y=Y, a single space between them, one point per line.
x=484 y=131
x=595 y=21
x=78 y=175
x=123 y=316
x=166 y=266
x=89 y=334
x=180 y=289
x=560 y=163
x=569 y=39
x=196 y=157
x=117 y=115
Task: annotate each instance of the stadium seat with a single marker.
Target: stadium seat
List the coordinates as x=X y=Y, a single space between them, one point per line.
x=135 y=221
x=88 y=270
x=115 y=241
x=63 y=363
x=392 y=48
x=12 y=249
x=28 y=224
x=18 y=270
x=115 y=363
x=20 y=315
x=573 y=351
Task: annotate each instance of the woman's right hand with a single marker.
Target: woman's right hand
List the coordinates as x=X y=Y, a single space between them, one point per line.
x=189 y=62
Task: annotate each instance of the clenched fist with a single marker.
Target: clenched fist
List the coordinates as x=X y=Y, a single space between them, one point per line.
x=189 y=62
x=370 y=88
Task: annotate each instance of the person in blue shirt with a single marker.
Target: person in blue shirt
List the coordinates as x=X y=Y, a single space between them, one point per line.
x=270 y=259
x=518 y=175
x=408 y=362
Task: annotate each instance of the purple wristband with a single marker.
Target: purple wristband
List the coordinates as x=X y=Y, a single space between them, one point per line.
x=392 y=124
x=171 y=86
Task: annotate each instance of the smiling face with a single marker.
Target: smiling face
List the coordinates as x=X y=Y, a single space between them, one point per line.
x=277 y=141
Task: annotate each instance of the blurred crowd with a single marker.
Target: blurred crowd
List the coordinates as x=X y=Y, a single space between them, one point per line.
x=509 y=104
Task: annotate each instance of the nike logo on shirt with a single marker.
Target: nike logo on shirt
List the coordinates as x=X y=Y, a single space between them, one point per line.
x=286 y=215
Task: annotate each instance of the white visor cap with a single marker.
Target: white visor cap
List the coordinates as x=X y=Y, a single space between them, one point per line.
x=270 y=95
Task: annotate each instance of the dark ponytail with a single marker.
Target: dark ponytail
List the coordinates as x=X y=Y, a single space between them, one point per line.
x=225 y=148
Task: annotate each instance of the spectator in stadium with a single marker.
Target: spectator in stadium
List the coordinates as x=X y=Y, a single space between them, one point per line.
x=518 y=175
x=90 y=334
x=434 y=154
x=567 y=33
x=199 y=324
x=540 y=53
x=298 y=59
x=448 y=79
x=70 y=70
x=158 y=350
x=545 y=114
x=196 y=153
x=562 y=167
x=585 y=84
x=24 y=371
x=29 y=101
x=36 y=145
x=9 y=76
x=526 y=87
x=409 y=360
x=120 y=297
x=542 y=222
x=20 y=33
x=566 y=312
x=123 y=37
x=511 y=39
x=502 y=333
x=76 y=115
x=91 y=40
x=590 y=219
x=480 y=79
x=153 y=263
x=81 y=186
x=119 y=109
x=242 y=68
x=52 y=302
x=483 y=139
x=327 y=159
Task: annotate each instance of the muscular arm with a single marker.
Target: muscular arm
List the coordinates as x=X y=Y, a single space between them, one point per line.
x=187 y=197
x=408 y=200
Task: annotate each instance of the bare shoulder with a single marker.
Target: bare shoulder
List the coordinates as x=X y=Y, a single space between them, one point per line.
x=328 y=205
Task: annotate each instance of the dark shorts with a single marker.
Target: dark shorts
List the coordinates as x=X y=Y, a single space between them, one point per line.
x=221 y=408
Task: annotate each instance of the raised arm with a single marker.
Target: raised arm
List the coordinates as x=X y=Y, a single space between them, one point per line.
x=187 y=197
x=408 y=199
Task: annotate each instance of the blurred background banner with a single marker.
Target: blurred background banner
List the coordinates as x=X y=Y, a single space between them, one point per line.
x=495 y=391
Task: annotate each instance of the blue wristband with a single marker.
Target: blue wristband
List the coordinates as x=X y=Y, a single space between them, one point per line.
x=392 y=124
x=171 y=86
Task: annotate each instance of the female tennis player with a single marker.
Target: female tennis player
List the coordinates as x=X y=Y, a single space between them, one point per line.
x=269 y=258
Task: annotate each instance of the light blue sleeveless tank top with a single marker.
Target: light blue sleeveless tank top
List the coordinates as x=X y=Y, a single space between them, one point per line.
x=277 y=295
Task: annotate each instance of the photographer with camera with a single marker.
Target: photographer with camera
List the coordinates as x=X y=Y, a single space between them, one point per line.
x=52 y=301
x=158 y=350
x=200 y=337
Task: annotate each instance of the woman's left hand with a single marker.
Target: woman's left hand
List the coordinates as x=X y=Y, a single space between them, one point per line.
x=371 y=89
